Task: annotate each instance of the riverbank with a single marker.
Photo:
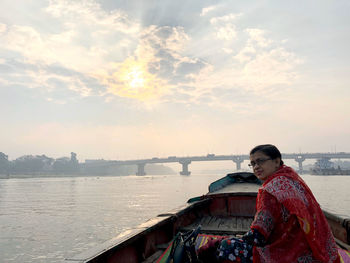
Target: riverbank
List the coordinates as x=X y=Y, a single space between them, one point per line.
x=26 y=176
x=29 y=176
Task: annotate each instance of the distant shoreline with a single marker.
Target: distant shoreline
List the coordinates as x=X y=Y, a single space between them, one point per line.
x=28 y=176
x=4 y=177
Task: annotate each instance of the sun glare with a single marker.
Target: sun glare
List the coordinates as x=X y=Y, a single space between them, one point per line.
x=132 y=79
x=135 y=78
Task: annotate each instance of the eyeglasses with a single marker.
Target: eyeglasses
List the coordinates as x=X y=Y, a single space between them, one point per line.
x=258 y=162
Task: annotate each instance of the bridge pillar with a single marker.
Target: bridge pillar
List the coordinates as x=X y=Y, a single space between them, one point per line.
x=299 y=159
x=141 y=169
x=185 y=164
x=238 y=160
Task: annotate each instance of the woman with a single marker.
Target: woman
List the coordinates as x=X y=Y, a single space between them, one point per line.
x=289 y=225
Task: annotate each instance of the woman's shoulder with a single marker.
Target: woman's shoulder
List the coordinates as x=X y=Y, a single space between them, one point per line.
x=283 y=175
x=285 y=187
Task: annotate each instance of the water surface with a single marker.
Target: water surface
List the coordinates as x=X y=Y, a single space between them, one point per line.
x=49 y=219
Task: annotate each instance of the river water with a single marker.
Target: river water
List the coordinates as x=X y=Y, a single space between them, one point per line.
x=50 y=219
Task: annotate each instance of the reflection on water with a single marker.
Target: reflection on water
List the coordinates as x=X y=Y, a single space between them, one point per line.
x=49 y=219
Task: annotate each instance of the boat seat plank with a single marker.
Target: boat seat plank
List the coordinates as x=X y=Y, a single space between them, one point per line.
x=205 y=220
x=247 y=222
x=221 y=225
x=234 y=223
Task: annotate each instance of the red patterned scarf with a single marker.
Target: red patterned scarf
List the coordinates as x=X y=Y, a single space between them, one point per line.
x=294 y=195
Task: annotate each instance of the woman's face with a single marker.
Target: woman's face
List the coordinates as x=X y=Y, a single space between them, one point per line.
x=263 y=166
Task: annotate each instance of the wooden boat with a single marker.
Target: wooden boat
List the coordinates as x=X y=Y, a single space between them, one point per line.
x=227 y=209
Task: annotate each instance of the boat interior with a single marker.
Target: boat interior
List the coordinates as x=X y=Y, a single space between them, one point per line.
x=231 y=214
x=227 y=214
x=228 y=209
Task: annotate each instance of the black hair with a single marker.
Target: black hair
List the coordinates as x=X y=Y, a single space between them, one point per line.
x=268 y=149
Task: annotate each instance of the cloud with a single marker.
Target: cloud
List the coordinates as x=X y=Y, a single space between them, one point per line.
x=108 y=46
x=141 y=75
x=193 y=66
x=170 y=39
x=93 y=52
x=225 y=19
x=263 y=66
x=227 y=32
x=245 y=54
x=156 y=66
x=257 y=36
x=84 y=36
x=37 y=48
x=274 y=67
x=54 y=82
x=258 y=75
x=90 y=13
x=224 y=26
x=227 y=50
x=84 y=43
x=208 y=9
x=3 y=28
x=260 y=67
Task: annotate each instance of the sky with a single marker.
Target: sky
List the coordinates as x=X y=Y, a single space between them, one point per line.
x=132 y=79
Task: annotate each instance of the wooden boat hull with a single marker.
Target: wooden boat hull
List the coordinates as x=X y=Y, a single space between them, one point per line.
x=228 y=209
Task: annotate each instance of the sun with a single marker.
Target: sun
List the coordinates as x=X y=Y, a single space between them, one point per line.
x=132 y=79
x=135 y=79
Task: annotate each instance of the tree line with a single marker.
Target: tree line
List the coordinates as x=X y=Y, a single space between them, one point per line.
x=44 y=165
x=39 y=164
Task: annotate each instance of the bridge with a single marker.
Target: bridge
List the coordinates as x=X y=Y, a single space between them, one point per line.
x=237 y=159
